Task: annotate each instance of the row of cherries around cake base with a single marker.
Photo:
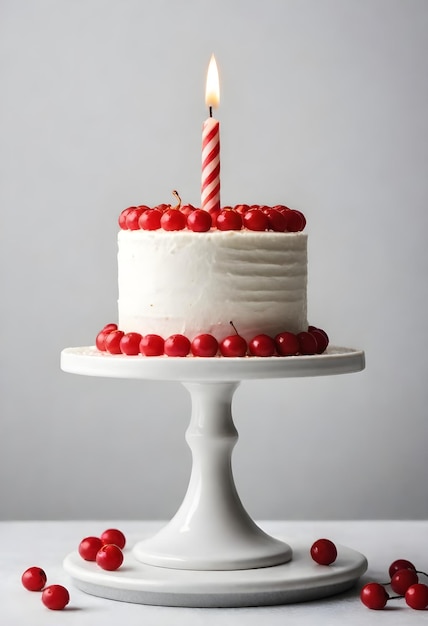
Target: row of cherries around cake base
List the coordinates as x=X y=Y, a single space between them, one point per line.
x=255 y=217
x=114 y=341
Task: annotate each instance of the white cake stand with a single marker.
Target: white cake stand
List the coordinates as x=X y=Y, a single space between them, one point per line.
x=212 y=553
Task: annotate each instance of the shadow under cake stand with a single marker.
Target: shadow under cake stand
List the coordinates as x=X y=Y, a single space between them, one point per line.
x=212 y=554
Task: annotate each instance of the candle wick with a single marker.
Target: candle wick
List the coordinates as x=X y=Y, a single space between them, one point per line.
x=211 y=111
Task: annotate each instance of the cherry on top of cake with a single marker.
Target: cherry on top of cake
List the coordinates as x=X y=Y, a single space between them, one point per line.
x=262 y=218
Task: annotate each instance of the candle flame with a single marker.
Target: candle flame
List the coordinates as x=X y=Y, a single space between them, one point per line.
x=212 y=90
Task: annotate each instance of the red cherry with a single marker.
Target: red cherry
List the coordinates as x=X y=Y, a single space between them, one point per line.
x=122 y=217
x=276 y=220
x=199 y=221
x=102 y=335
x=109 y=557
x=228 y=219
x=321 y=330
x=302 y=216
x=417 y=596
x=204 y=345
x=307 y=343
x=173 y=219
x=152 y=345
x=324 y=552
x=100 y=340
x=130 y=344
x=110 y=327
x=187 y=209
x=162 y=207
x=133 y=217
x=115 y=536
x=287 y=344
x=241 y=208
x=214 y=213
x=233 y=346
x=89 y=547
x=374 y=596
x=177 y=345
x=256 y=219
x=112 y=341
x=400 y=564
x=402 y=580
x=150 y=220
x=262 y=345
x=281 y=207
x=321 y=340
x=55 y=597
x=295 y=221
x=34 y=579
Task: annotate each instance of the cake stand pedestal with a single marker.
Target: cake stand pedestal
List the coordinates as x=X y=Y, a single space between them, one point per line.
x=212 y=553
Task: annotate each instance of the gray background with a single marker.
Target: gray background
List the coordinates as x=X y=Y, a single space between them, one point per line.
x=324 y=107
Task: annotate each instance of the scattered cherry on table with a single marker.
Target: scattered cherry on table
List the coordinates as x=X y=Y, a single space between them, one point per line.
x=417 y=596
x=402 y=580
x=55 y=597
x=374 y=596
x=400 y=564
x=34 y=578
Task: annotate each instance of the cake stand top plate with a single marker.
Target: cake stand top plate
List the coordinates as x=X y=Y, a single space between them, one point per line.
x=88 y=361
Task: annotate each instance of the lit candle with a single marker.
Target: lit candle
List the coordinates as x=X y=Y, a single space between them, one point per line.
x=211 y=144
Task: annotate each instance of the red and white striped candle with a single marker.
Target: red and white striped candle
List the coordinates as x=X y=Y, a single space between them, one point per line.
x=210 y=189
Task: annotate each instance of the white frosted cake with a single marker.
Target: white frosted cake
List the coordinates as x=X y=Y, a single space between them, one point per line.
x=190 y=283
x=189 y=280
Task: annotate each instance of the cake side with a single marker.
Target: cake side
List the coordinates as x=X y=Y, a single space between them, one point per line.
x=189 y=283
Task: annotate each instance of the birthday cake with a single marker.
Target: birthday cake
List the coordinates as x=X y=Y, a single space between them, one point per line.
x=230 y=282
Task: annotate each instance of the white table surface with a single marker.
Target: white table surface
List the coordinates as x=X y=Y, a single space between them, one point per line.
x=23 y=544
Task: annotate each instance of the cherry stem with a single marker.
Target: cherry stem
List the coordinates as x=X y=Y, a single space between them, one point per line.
x=175 y=193
x=424 y=573
x=395 y=598
x=234 y=327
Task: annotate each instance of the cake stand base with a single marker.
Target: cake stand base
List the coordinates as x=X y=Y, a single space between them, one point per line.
x=298 y=580
x=212 y=554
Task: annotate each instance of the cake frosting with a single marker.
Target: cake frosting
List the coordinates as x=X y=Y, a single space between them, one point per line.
x=190 y=283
